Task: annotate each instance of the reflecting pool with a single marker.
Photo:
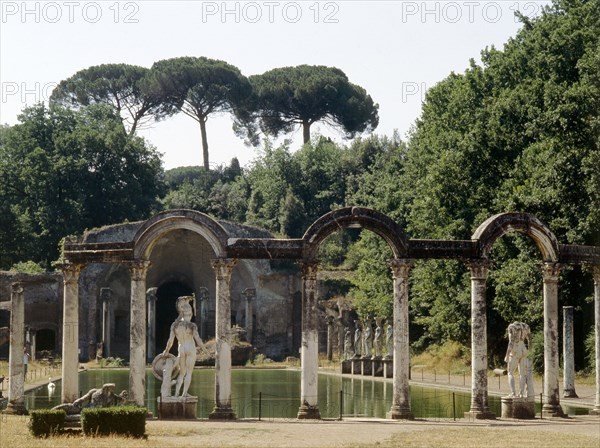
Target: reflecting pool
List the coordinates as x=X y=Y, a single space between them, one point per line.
x=275 y=393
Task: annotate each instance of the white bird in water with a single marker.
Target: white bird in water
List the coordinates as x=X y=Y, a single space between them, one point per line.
x=51 y=385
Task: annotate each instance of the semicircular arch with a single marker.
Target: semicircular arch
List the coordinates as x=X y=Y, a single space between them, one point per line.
x=349 y=217
x=164 y=222
x=498 y=225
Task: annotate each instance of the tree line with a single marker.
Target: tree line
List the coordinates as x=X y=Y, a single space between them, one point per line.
x=519 y=131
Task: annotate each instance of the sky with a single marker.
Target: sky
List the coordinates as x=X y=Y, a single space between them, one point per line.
x=396 y=50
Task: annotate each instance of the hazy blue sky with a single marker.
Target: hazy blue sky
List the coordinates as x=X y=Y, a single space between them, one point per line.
x=394 y=49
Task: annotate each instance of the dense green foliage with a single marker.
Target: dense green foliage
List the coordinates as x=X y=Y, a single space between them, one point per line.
x=62 y=171
x=46 y=422
x=287 y=97
x=122 y=420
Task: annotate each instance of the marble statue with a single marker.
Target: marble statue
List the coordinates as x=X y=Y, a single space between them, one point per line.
x=519 y=340
x=377 y=341
x=348 y=352
x=357 y=340
x=368 y=340
x=95 y=398
x=389 y=341
x=188 y=339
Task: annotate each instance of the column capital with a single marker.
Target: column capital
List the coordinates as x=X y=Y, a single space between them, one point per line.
x=479 y=268
x=151 y=294
x=16 y=288
x=138 y=269
x=70 y=271
x=309 y=268
x=223 y=267
x=400 y=267
x=550 y=271
x=595 y=268
x=249 y=293
x=105 y=294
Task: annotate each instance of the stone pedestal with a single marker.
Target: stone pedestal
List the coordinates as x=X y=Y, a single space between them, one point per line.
x=367 y=366
x=388 y=368
x=519 y=408
x=480 y=415
x=347 y=366
x=377 y=367
x=356 y=367
x=177 y=408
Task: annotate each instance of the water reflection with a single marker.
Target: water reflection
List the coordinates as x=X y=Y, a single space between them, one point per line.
x=276 y=394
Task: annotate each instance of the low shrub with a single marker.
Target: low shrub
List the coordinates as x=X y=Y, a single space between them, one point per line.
x=46 y=422
x=123 y=420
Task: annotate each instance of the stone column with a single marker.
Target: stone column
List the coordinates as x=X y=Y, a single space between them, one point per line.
x=479 y=363
x=151 y=336
x=137 y=332
x=596 y=274
x=249 y=294
x=16 y=383
x=105 y=296
x=551 y=405
x=32 y=343
x=222 y=411
x=70 y=336
x=201 y=317
x=330 y=334
x=309 y=351
x=568 y=354
x=401 y=364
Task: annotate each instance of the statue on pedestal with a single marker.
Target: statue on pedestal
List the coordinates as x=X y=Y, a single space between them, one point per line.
x=519 y=340
x=377 y=341
x=357 y=340
x=348 y=352
x=188 y=340
x=368 y=339
x=389 y=342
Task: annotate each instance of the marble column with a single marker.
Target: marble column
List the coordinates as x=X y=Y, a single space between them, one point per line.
x=70 y=336
x=16 y=383
x=222 y=411
x=550 y=272
x=330 y=334
x=151 y=336
x=249 y=294
x=137 y=332
x=596 y=274
x=309 y=354
x=568 y=354
x=105 y=296
x=401 y=364
x=33 y=333
x=201 y=316
x=479 y=362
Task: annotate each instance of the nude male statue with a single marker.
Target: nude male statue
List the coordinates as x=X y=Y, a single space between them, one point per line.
x=516 y=357
x=188 y=338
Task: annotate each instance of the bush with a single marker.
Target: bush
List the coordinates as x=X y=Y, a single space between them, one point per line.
x=590 y=351
x=123 y=420
x=46 y=422
x=536 y=352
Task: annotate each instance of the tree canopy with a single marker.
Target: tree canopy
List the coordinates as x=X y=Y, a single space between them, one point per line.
x=287 y=97
x=198 y=87
x=119 y=85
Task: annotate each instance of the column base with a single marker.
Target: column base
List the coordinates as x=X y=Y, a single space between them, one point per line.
x=570 y=393
x=480 y=415
x=307 y=412
x=398 y=413
x=553 y=410
x=595 y=411
x=222 y=414
x=16 y=409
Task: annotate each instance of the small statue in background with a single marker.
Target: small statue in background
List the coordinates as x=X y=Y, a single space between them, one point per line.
x=348 y=352
x=357 y=340
x=519 y=340
x=377 y=341
x=389 y=342
x=368 y=340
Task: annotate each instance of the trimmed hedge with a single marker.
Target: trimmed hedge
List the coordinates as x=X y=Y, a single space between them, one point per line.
x=46 y=422
x=123 y=420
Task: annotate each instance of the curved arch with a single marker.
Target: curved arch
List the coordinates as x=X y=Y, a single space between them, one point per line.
x=498 y=225
x=164 y=222
x=363 y=217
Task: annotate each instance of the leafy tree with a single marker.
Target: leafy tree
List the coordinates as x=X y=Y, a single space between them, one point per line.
x=63 y=171
x=118 y=85
x=199 y=87
x=286 y=97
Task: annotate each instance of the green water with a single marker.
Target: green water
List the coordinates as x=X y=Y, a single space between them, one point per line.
x=276 y=394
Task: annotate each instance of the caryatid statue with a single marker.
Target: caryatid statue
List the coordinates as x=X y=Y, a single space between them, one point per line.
x=188 y=339
x=377 y=341
x=368 y=339
x=519 y=340
x=358 y=342
x=389 y=341
x=348 y=351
